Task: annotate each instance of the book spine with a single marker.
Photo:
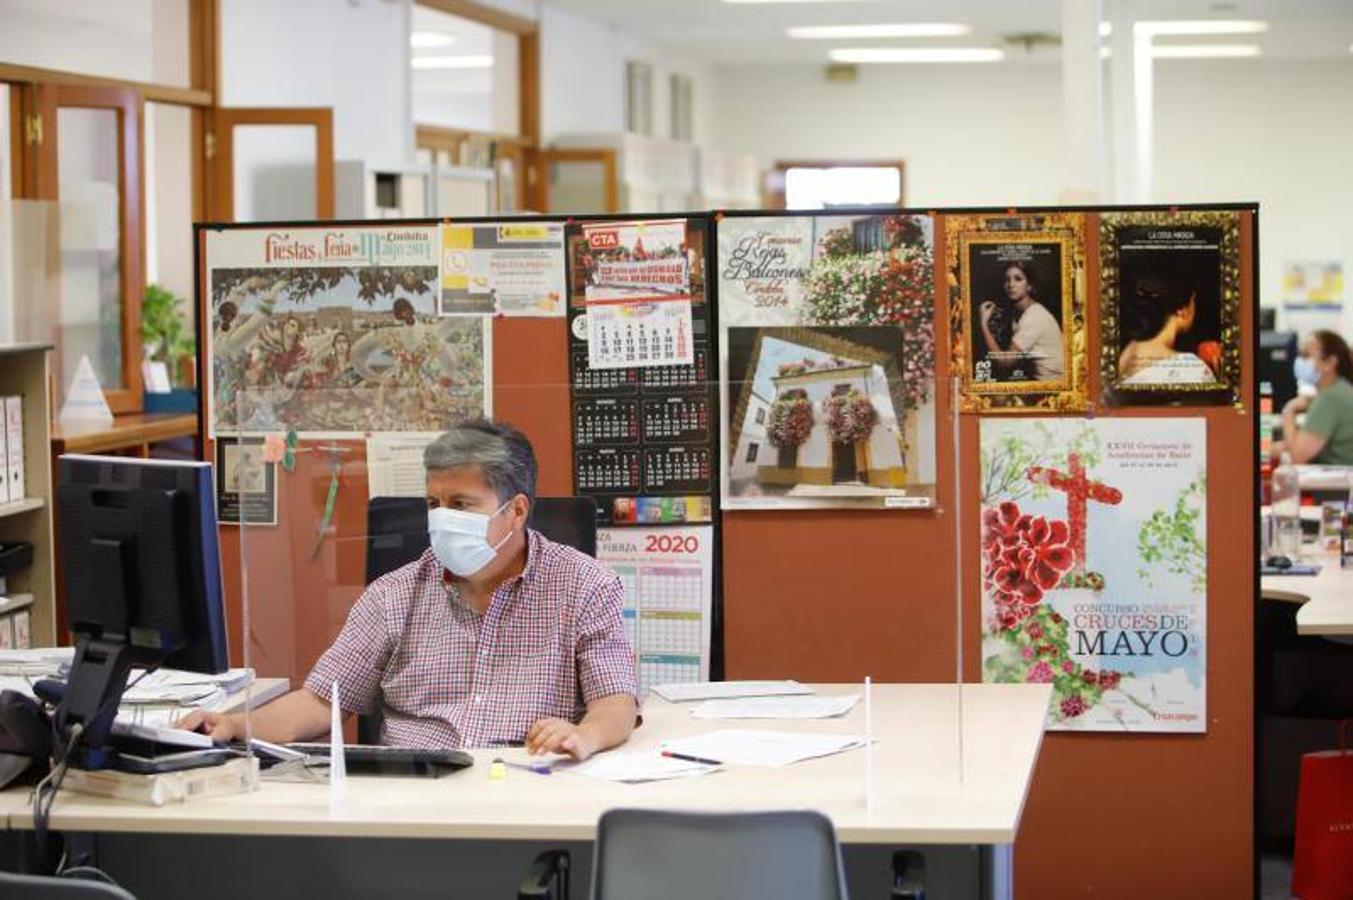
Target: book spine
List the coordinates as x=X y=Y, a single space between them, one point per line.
x=4 y=453
x=23 y=629
x=14 y=444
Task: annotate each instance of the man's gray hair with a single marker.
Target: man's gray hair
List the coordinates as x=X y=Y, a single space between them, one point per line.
x=501 y=452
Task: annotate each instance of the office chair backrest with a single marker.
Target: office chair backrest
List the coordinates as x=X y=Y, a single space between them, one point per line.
x=644 y=854
x=40 y=887
x=397 y=528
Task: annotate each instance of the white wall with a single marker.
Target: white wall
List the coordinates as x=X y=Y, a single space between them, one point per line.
x=1278 y=132
x=351 y=56
x=582 y=73
x=1273 y=131
x=969 y=134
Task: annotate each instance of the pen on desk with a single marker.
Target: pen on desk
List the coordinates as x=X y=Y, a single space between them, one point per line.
x=538 y=768
x=688 y=758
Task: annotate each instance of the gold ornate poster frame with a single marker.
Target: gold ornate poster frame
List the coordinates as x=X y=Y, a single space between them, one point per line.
x=1068 y=231
x=1225 y=390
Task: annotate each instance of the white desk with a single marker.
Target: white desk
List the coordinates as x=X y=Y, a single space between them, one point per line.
x=924 y=791
x=1326 y=598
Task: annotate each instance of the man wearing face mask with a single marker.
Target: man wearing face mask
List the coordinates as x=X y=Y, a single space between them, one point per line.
x=1325 y=364
x=495 y=635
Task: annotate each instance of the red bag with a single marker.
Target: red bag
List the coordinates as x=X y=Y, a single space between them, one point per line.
x=1322 y=867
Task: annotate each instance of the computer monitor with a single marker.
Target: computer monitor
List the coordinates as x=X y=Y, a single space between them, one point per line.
x=1277 y=352
x=143 y=578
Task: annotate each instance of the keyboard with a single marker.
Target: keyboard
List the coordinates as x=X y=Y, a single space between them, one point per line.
x=371 y=759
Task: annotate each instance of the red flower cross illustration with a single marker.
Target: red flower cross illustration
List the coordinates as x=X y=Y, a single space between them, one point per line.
x=1080 y=490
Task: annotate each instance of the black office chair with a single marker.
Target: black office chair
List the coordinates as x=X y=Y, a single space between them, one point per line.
x=43 y=887
x=397 y=534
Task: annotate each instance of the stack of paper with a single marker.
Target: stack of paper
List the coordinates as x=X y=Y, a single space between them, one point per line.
x=813 y=707
x=42 y=662
x=713 y=690
x=763 y=748
x=636 y=766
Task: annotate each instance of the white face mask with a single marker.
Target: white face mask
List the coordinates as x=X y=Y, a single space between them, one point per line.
x=460 y=539
x=1304 y=368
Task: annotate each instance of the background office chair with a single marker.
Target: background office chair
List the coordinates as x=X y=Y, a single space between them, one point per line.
x=42 y=887
x=646 y=854
x=397 y=534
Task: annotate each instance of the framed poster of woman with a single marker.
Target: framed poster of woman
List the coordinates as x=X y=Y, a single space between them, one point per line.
x=1170 y=307
x=1017 y=319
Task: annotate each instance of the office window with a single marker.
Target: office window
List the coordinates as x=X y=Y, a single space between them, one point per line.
x=682 y=107
x=638 y=98
x=761 y=417
x=752 y=450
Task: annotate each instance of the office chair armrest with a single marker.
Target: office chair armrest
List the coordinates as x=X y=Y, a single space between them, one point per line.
x=549 y=867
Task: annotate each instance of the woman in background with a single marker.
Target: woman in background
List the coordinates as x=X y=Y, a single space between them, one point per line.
x=1327 y=434
x=1159 y=311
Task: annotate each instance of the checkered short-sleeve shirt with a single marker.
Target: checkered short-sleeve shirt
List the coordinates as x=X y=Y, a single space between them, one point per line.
x=551 y=641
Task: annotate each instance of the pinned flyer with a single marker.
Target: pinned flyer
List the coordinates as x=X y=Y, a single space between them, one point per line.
x=338 y=766
x=638 y=294
x=85 y=402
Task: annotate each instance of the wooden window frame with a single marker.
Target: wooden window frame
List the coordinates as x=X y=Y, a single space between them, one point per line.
x=524 y=146
x=33 y=92
x=221 y=153
x=773 y=193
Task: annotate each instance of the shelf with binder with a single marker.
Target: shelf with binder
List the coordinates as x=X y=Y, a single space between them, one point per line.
x=25 y=374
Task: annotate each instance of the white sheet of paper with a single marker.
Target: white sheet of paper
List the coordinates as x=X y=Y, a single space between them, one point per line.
x=763 y=748
x=793 y=707
x=635 y=766
x=716 y=690
x=394 y=464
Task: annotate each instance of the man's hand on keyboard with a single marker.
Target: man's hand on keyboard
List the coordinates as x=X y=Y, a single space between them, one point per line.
x=219 y=727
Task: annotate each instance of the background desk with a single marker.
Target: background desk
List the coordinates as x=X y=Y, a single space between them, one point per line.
x=133 y=432
x=1326 y=598
x=966 y=808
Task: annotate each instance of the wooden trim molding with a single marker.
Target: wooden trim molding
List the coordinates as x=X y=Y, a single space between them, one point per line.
x=128 y=106
x=220 y=150
x=157 y=93
x=484 y=15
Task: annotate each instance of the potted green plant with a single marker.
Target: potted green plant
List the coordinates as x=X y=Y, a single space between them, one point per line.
x=165 y=338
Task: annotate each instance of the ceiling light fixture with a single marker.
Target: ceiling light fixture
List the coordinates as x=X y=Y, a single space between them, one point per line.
x=1196 y=27
x=916 y=55
x=424 y=40
x=1205 y=51
x=865 y=32
x=452 y=62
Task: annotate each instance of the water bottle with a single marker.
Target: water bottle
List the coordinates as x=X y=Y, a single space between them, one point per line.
x=1286 y=502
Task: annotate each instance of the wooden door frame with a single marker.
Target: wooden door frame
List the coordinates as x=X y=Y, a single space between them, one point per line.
x=773 y=191
x=220 y=152
x=41 y=182
x=610 y=172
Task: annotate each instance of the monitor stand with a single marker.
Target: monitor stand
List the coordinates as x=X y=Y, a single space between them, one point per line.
x=93 y=691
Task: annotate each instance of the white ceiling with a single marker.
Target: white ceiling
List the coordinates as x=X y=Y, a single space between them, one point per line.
x=754 y=33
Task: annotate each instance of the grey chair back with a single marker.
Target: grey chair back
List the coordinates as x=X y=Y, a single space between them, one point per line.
x=658 y=855
x=41 y=887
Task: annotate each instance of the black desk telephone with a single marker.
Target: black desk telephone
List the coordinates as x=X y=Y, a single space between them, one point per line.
x=25 y=735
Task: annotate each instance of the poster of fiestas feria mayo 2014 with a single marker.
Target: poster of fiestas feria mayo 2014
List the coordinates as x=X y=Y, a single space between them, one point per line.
x=1094 y=568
